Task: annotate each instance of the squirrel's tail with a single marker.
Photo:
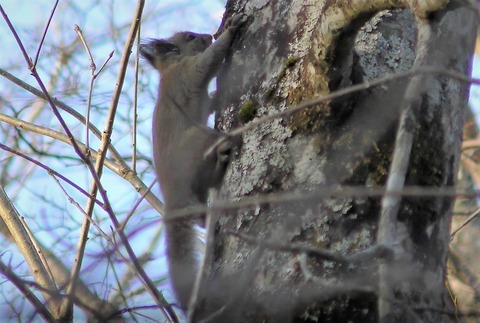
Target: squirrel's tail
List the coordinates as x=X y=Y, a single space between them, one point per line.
x=182 y=253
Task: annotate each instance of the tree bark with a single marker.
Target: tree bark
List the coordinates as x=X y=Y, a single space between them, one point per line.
x=306 y=244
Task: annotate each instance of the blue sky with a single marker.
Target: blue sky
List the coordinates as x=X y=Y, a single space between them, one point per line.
x=475 y=89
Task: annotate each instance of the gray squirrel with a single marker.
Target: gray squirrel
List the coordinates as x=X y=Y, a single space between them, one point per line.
x=187 y=62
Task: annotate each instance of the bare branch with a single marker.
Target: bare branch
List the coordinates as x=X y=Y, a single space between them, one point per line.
x=151 y=288
x=22 y=239
x=122 y=170
x=418 y=70
x=27 y=293
x=50 y=171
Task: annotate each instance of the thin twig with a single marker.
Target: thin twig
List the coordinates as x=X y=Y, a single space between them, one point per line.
x=61 y=105
x=135 y=206
x=388 y=233
x=75 y=203
x=203 y=275
x=96 y=171
x=50 y=171
x=60 y=272
x=123 y=168
x=55 y=111
x=135 y=104
x=471 y=144
x=464 y=224
x=340 y=93
x=93 y=77
x=321 y=193
x=90 y=87
x=24 y=125
x=37 y=55
x=149 y=286
x=110 y=55
x=27 y=293
x=23 y=242
x=377 y=251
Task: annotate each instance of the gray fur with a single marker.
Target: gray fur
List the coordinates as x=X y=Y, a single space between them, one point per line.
x=187 y=62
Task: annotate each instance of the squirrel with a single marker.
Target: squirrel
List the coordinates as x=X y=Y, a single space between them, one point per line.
x=187 y=62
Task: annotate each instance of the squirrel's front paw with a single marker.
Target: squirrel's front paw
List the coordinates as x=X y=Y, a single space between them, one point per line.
x=236 y=21
x=224 y=151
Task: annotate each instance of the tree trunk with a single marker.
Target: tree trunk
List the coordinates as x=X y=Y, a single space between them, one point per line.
x=313 y=238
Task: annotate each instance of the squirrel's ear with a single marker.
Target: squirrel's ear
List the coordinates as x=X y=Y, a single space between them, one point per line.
x=157 y=49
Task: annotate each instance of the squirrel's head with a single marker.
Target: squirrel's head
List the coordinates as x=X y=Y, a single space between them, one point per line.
x=162 y=52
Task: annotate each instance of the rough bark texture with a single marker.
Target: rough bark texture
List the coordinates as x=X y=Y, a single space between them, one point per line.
x=275 y=65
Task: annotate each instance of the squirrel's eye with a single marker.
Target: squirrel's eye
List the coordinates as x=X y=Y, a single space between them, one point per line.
x=190 y=37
